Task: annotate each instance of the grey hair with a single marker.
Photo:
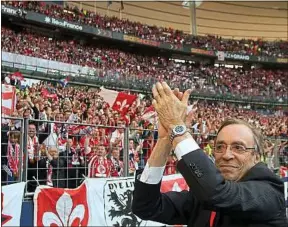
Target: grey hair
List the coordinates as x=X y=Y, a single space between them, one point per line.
x=258 y=138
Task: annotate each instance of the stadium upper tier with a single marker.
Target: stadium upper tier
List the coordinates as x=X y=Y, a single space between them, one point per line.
x=148 y=69
x=168 y=35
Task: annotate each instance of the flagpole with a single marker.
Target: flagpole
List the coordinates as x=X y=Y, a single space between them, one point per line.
x=121 y=9
x=95 y=7
x=193 y=24
x=108 y=12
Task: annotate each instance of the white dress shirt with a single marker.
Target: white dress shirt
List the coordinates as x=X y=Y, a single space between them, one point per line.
x=153 y=175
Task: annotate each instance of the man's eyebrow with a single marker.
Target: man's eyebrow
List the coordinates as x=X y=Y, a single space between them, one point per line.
x=234 y=142
x=240 y=143
x=220 y=142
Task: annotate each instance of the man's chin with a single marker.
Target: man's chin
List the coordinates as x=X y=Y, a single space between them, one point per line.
x=229 y=176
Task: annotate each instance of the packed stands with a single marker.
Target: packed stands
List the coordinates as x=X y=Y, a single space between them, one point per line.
x=69 y=132
x=127 y=66
x=78 y=144
x=249 y=47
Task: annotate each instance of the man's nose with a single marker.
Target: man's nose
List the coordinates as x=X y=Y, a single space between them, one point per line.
x=228 y=154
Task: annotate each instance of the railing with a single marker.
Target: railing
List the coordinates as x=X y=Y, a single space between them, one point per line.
x=55 y=153
x=12 y=156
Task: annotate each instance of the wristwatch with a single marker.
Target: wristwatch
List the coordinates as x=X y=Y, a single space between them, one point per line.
x=178 y=130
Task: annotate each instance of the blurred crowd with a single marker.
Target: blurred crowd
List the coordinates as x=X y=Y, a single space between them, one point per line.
x=146 y=69
x=155 y=33
x=62 y=153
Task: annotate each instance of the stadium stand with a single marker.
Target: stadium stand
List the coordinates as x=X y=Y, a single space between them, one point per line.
x=213 y=80
x=250 y=47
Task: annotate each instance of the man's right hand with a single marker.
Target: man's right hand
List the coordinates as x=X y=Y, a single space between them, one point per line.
x=162 y=132
x=163 y=146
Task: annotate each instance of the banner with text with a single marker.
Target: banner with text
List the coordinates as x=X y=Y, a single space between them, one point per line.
x=203 y=52
x=236 y=56
x=97 y=202
x=282 y=60
x=141 y=41
x=42 y=65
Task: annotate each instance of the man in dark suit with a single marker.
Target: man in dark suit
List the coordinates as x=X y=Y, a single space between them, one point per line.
x=238 y=191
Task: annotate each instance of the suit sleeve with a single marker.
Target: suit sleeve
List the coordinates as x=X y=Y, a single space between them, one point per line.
x=256 y=200
x=168 y=208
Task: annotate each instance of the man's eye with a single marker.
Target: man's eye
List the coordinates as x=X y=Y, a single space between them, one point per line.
x=219 y=147
x=239 y=147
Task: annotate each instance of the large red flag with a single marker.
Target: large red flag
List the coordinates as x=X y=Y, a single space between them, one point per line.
x=119 y=101
x=61 y=207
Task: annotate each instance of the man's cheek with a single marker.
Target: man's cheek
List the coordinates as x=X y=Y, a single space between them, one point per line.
x=217 y=161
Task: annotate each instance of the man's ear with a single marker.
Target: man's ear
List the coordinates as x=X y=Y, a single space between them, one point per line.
x=257 y=158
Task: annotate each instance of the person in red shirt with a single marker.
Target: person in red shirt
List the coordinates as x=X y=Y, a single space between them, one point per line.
x=118 y=166
x=93 y=139
x=90 y=152
x=100 y=165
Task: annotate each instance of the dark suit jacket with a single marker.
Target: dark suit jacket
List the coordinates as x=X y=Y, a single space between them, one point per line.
x=39 y=170
x=258 y=200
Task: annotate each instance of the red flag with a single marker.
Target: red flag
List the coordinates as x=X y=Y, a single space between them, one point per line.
x=17 y=75
x=8 y=99
x=119 y=101
x=123 y=102
x=61 y=207
x=46 y=94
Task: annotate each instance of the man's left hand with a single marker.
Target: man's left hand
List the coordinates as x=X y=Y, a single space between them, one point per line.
x=171 y=111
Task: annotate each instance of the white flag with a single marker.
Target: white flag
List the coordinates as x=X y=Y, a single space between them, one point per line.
x=109 y=96
x=110 y=200
x=12 y=197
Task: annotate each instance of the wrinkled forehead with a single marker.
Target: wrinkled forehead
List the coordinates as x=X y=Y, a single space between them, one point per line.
x=236 y=133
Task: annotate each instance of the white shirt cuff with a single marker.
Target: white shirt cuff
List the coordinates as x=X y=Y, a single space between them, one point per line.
x=185 y=146
x=152 y=175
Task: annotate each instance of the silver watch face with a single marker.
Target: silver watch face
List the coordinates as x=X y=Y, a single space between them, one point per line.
x=179 y=129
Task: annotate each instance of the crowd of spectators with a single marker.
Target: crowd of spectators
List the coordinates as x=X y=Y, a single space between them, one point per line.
x=61 y=154
x=144 y=31
x=146 y=69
